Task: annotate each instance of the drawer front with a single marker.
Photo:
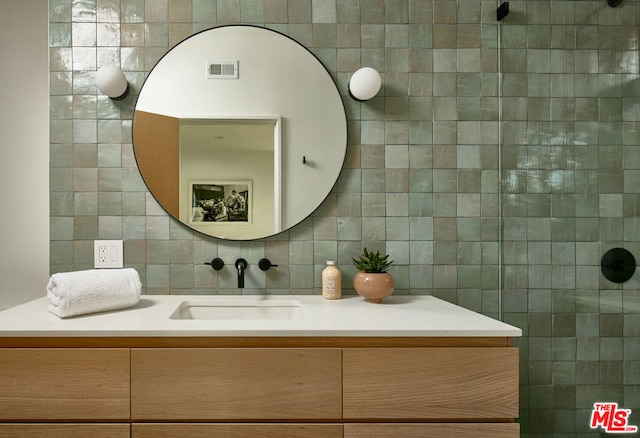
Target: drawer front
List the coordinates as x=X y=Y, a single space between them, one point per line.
x=433 y=430
x=64 y=384
x=65 y=430
x=236 y=430
x=236 y=384
x=430 y=383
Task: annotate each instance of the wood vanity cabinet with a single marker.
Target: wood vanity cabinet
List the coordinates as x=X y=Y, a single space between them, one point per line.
x=236 y=430
x=432 y=430
x=236 y=383
x=430 y=383
x=452 y=384
x=258 y=387
x=54 y=430
x=64 y=384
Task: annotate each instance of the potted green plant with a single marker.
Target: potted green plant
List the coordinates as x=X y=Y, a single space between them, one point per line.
x=373 y=282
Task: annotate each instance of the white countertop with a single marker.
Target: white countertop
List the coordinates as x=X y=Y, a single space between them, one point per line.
x=422 y=316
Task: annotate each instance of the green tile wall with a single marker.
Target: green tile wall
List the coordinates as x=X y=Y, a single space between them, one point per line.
x=569 y=161
x=497 y=165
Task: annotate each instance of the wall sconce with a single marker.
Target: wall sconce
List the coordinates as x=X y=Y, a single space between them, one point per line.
x=364 y=84
x=111 y=81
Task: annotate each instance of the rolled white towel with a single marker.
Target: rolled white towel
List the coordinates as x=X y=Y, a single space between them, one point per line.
x=95 y=290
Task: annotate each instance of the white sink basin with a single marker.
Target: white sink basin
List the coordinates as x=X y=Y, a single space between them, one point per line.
x=238 y=309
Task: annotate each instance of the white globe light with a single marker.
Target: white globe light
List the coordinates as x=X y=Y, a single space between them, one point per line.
x=365 y=83
x=111 y=81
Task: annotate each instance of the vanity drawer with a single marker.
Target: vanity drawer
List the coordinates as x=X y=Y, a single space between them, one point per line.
x=65 y=430
x=236 y=430
x=236 y=383
x=433 y=430
x=64 y=384
x=430 y=383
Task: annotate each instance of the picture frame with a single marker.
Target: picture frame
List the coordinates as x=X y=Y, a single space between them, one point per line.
x=214 y=202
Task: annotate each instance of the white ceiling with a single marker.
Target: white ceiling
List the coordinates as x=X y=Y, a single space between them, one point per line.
x=221 y=135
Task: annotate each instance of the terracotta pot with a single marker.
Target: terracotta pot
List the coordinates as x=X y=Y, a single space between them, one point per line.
x=373 y=287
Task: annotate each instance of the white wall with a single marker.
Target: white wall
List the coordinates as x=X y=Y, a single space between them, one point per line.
x=24 y=145
x=254 y=166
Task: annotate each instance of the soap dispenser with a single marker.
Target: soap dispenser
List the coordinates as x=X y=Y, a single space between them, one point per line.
x=331 y=281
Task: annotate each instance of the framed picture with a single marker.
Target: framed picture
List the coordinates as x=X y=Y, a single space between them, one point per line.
x=221 y=202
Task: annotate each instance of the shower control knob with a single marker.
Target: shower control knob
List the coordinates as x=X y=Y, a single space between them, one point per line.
x=265 y=264
x=216 y=263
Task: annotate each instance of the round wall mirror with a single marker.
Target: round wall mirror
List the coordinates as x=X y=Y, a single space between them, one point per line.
x=239 y=132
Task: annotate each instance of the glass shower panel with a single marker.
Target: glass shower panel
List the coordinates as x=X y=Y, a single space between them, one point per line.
x=570 y=178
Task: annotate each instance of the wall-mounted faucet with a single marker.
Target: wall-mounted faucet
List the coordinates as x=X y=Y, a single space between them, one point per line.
x=241 y=265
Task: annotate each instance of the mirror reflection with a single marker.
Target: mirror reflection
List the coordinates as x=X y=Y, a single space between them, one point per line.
x=239 y=132
x=213 y=153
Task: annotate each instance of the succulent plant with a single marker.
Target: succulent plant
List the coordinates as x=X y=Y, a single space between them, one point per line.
x=372 y=262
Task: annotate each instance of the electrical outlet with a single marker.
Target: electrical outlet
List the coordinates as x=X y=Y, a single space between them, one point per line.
x=108 y=254
x=103 y=254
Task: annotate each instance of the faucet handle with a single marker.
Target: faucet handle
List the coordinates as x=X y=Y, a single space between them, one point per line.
x=265 y=264
x=216 y=263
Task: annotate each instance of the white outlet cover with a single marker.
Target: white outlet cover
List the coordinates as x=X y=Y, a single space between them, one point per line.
x=114 y=252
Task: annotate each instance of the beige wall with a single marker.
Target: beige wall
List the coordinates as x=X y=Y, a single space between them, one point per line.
x=24 y=141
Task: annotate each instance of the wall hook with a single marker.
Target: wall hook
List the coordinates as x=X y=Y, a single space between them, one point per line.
x=304 y=160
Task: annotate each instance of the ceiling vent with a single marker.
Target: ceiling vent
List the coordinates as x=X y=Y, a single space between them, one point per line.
x=222 y=70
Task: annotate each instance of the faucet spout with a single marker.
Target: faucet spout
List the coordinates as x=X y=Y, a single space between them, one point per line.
x=241 y=265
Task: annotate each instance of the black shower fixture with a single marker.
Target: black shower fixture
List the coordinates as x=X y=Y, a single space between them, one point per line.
x=618 y=265
x=502 y=11
x=614 y=3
